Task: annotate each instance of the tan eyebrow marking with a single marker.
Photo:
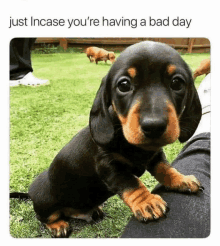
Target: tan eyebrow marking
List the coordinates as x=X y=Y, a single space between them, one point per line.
x=132 y=72
x=171 y=69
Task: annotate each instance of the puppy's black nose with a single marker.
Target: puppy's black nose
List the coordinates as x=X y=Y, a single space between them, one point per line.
x=153 y=127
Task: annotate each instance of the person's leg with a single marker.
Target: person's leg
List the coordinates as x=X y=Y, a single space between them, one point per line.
x=189 y=215
x=20 y=63
x=20 y=57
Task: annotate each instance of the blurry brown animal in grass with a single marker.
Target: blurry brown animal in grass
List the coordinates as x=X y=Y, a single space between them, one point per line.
x=204 y=68
x=98 y=54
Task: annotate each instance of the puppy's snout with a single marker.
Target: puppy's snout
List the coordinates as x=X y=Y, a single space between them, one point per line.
x=153 y=127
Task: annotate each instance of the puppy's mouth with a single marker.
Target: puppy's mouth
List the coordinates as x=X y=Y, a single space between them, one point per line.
x=150 y=147
x=150 y=144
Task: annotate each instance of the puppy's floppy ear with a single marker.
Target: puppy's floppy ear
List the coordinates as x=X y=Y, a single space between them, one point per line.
x=101 y=126
x=191 y=116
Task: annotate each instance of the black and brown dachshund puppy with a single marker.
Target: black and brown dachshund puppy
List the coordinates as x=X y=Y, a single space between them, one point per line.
x=146 y=101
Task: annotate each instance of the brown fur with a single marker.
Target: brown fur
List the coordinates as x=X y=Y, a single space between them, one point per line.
x=204 y=68
x=132 y=129
x=132 y=72
x=173 y=179
x=130 y=125
x=171 y=69
x=173 y=130
x=98 y=54
x=142 y=202
x=58 y=228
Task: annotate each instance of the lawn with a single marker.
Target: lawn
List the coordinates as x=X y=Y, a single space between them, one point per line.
x=43 y=119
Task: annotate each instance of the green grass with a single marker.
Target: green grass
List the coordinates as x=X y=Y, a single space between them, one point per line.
x=43 y=119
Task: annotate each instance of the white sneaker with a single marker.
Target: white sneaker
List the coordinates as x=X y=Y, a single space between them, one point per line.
x=14 y=83
x=29 y=80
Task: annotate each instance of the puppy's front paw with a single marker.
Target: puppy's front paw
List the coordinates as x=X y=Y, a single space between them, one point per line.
x=144 y=205
x=153 y=208
x=174 y=180
x=184 y=183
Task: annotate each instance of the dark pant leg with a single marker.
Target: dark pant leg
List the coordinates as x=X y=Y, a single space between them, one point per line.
x=20 y=57
x=189 y=214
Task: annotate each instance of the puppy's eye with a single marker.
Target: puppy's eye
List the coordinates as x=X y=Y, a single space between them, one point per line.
x=124 y=85
x=176 y=84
